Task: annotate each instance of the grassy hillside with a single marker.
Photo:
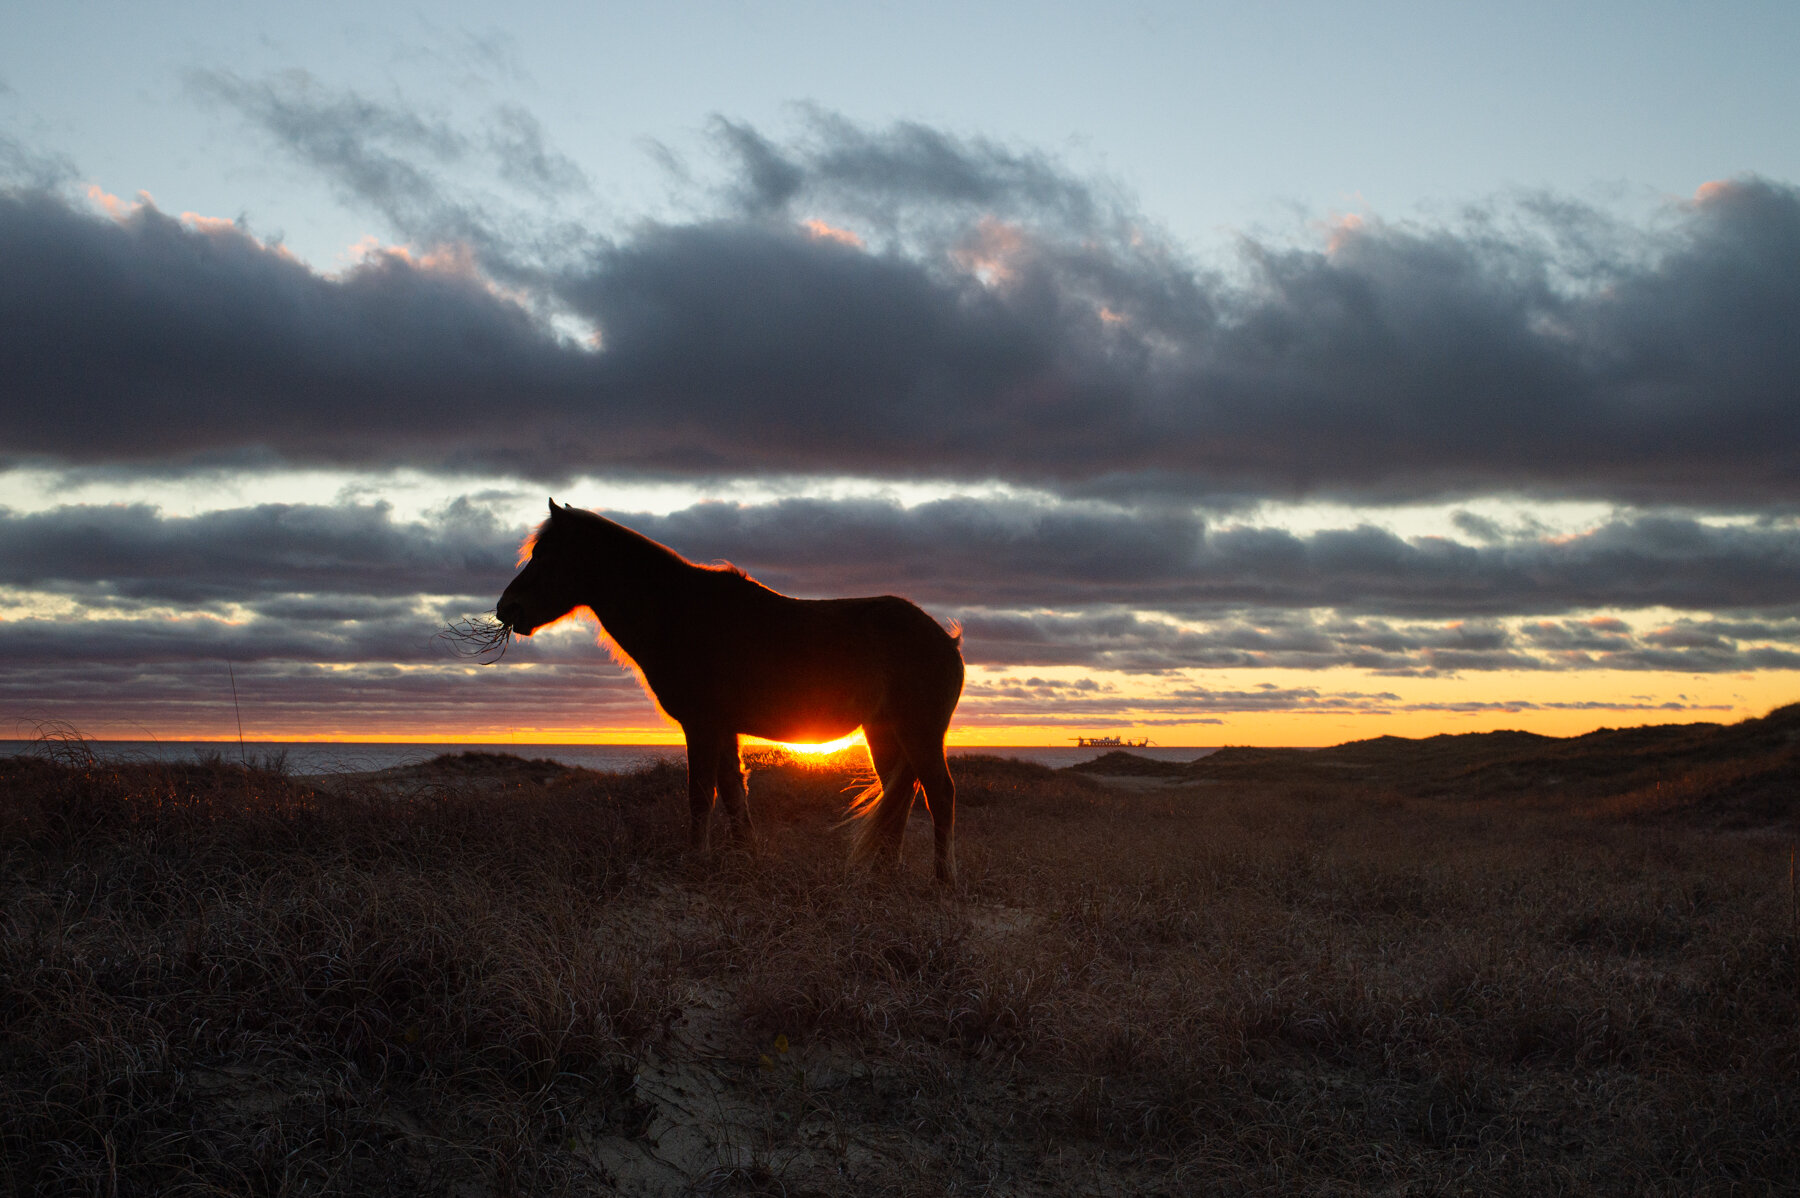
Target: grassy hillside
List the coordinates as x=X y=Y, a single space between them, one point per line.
x=494 y=976
x=1746 y=773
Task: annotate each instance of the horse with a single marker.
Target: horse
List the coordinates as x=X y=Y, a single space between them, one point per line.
x=723 y=656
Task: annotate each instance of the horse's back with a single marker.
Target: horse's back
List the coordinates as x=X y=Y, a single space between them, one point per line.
x=897 y=629
x=849 y=661
x=920 y=663
x=886 y=623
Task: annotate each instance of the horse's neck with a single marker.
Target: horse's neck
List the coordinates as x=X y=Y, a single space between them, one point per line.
x=632 y=587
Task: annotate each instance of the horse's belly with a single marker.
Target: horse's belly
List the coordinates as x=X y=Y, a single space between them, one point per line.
x=801 y=711
x=801 y=722
x=804 y=733
x=815 y=674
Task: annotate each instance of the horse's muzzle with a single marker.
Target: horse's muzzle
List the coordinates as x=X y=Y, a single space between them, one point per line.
x=510 y=615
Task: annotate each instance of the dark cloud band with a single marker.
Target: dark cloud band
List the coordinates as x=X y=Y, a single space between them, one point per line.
x=1001 y=320
x=960 y=552
x=351 y=587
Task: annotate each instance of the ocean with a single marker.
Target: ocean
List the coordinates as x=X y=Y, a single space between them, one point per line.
x=307 y=757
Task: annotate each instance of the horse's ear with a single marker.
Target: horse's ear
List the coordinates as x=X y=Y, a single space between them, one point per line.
x=553 y=508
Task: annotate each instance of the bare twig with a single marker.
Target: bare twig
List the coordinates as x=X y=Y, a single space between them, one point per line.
x=481 y=637
x=232 y=674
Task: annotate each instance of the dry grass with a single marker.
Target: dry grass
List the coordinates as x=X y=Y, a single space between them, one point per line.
x=489 y=976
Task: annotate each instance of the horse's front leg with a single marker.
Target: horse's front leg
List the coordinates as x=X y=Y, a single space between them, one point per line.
x=733 y=792
x=703 y=784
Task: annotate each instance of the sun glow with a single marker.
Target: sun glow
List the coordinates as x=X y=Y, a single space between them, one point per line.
x=823 y=750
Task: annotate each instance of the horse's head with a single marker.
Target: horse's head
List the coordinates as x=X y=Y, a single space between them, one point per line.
x=546 y=589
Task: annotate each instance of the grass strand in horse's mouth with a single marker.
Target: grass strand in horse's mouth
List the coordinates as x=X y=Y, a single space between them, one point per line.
x=481 y=637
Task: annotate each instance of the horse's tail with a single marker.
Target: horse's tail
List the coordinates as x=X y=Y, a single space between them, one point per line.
x=883 y=808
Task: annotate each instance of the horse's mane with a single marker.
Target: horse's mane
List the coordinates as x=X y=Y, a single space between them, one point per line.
x=597 y=523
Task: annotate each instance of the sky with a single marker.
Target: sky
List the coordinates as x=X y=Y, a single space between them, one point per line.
x=1232 y=374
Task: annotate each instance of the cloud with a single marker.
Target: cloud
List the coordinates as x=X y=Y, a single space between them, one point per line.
x=962 y=553
x=1205 y=705
x=116 y=686
x=517 y=142
x=269 y=554
x=280 y=696
x=24 y=165
x=1002 y=320
x=146 y=340
x=491 y=191
x=348 y=588
x=376 y=153
x=908 y=181
x=1027 y=552
x=1266 y=638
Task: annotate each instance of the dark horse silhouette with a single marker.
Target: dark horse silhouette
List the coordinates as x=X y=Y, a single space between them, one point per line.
x=722 y=654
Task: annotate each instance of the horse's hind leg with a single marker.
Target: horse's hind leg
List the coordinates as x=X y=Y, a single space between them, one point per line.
x=884 y=826
x=926 y=753
x=732 y=790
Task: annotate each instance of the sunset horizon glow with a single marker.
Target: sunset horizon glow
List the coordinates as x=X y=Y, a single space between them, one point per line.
x=1318 y=729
